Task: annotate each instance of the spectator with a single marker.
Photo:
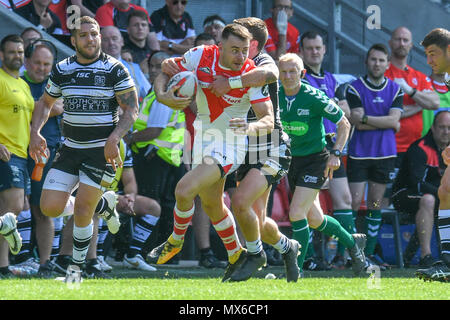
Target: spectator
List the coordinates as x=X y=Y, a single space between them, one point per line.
x=214 y=25
x=415 y=189
x=59 y=8
x=16 y=110
x=39 y=14
x=126 y=55
x=313 y=51
x=137 y=39
x=174 y=27
x=88 y=8
x=283 y=36
x=376 y=106
x=15 y=3
x=39 y=59
x=112 y=44
x=417 y=87
x=157 y=143
x=437 y=53
x=30 y=35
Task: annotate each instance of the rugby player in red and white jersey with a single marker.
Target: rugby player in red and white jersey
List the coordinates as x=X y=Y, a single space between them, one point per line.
x=220 y=142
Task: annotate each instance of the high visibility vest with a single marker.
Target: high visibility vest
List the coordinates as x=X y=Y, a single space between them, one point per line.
x=170 y=142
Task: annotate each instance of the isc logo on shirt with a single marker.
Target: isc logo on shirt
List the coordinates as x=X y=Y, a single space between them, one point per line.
x=83 y=75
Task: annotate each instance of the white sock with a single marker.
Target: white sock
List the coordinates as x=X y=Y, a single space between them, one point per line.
x=81 y=239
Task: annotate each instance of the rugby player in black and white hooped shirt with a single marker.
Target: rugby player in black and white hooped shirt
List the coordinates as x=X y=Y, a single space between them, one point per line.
x=93 y=86
x=267 y=162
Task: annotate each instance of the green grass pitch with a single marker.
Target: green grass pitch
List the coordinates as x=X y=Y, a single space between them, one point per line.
x=195 y=283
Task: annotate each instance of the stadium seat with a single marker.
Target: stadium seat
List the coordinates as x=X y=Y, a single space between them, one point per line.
x=391 y=216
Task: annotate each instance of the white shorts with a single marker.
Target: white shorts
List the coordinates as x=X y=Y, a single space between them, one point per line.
x=62 y=181
x=229 y=153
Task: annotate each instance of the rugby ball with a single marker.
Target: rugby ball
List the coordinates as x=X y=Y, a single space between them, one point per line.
x=187 y=82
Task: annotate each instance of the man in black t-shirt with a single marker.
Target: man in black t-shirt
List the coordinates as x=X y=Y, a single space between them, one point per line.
x=38 y=13
x=174 y=27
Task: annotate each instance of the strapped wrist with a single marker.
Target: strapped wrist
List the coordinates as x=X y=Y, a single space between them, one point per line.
x=235 y=82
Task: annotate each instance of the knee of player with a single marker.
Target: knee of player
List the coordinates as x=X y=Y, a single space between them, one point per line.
x=427 y=201
x=237 y=204
x=184 y=191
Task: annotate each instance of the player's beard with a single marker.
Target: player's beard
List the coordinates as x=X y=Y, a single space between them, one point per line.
x=86 y=55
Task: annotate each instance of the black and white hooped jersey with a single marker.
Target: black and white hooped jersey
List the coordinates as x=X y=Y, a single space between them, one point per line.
x=91 y=111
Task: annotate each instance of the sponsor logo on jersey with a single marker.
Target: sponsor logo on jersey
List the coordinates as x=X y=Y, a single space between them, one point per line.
x=378 y=100
x=296 y=128
x=205 y=70
x=303 y=112
x=83 y=74
x=100 y=81
x=310 y=179
x=332 y=108
x=231 y=100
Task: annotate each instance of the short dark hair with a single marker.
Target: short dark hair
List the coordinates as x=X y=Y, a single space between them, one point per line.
x=257 y=28
x=30 y=29
x=437 y=115
x=310 y=35
x=10 y=38
x=378 y=47
x=83 y=20
x=439 y=37
x=212 y=18
x=137 y=13
x=203 y=37
x=236 y=30
x=157 y=54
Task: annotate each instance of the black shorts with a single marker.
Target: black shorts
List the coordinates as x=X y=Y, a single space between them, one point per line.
x=308 y=171
x=274 y=167
x=376 y=170
x=405 y=200
x=90 y=161
x=230 y=181
x=156 y=178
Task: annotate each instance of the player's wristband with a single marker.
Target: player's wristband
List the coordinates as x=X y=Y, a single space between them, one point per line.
x=413 y=92
x=235 y=82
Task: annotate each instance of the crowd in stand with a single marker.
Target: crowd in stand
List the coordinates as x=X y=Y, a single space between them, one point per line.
x=399 y=115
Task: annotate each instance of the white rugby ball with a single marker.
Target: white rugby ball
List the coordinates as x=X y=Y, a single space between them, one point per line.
x=188 y=82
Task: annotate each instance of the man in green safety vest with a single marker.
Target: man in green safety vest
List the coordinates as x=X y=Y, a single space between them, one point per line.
x=157 y=143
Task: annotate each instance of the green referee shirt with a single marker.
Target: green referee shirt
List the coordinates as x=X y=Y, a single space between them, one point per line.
x=302 y=118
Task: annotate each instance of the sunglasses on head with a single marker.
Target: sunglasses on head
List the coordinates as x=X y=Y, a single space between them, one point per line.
x=183 y=2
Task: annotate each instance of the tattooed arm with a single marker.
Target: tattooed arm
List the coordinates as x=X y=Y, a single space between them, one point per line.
x=128 y=101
